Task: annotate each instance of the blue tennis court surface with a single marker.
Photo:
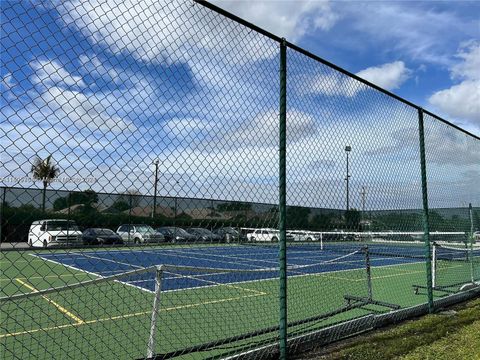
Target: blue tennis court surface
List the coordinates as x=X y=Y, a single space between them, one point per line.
x=301 y=261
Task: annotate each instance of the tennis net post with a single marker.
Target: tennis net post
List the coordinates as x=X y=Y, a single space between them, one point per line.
x=155 y=311
x=369 y=273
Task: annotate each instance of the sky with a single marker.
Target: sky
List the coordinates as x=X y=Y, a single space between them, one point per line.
x=108 y=87
x=425 y=51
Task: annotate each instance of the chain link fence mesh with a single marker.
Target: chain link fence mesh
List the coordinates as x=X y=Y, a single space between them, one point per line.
x=139 y=186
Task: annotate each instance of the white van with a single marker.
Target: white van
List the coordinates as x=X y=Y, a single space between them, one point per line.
x=54 y=232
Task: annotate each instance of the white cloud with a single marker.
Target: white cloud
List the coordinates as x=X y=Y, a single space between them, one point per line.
x=164 y=32
x=459 y=101
x=73 y=106
x=333 y=83
x=469 y=67
x=262 y=131
x=188 y=130
x=7 y=84
x=51 y=72
x=445 y=146
x=242 y=163
x=92 y=65
x=418 y=30
x=7 y=81
x=286 y=18
x=259 y=132
x=84 y=111
x=389 y=76
x=462 y=101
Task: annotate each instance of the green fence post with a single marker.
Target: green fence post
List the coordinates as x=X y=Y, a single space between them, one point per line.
x=426 y=222
x=470 y=239
x=2 y=211
x=283 y=199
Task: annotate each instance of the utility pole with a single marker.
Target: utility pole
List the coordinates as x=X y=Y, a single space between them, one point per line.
x=156 y=162
x=363 y=222
x=175 y=205
x=470 y=213
x=347 y=177
x=364 y=194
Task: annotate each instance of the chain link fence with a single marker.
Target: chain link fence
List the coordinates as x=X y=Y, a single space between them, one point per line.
x=178 y=183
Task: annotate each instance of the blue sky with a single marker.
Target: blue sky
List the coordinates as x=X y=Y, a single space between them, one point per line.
x=431 y=46
x=108 y=87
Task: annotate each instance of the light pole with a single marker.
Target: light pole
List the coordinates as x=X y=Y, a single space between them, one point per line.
x=364 y=195
x=156 y=162
x=363 y=218
x=347 y=178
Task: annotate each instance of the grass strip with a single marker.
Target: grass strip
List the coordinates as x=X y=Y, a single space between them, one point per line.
x=453 y=334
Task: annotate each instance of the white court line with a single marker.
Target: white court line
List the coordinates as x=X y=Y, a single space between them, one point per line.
x=89 y=272
x=109 y=260
x=129 y=283
x=322 y=263
x=179 y=276
x=169 y=252
x=404 y=262
x=325 y=273
x=195 y=252
x=139 y=287
x=290 y=254
x=320 y=257
x=210 y=260
x=188 y=254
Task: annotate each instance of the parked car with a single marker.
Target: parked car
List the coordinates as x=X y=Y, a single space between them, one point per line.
x=98 y=236
x=175 y=234
x=54 y=232
x=266 y=235
x=301 y=235
x=229 y=234
x=476 y=235
x=139 y=233
x=335 y=236
x=204 y=235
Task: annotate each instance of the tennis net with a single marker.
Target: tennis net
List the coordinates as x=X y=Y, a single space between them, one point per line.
x=455 y=266
x=397 y=244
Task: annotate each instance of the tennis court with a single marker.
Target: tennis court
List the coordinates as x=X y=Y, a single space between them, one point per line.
x=214 y=299
x=302 y=260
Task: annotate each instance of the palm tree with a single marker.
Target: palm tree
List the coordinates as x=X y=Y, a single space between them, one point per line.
x=46 y=171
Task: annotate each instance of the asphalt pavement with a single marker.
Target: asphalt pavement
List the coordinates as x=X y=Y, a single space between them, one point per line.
x=11 y=246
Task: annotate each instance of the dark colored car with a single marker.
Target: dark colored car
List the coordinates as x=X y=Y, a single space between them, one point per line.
x=175 y=234
x=229 y=234
x=204 y=235
x=97 y=236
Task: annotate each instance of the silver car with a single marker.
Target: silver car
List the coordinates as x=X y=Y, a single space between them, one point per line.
x=139 y=234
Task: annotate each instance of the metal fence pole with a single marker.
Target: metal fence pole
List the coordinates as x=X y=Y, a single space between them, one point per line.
x=472 y=265
x=426 y=222
x=2 y=211
x=283 y=199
